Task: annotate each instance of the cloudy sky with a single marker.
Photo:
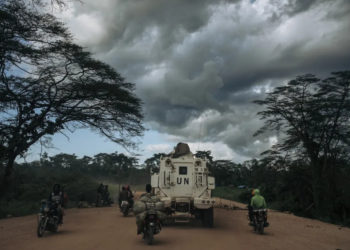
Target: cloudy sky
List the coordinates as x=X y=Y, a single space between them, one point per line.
x=199 y=64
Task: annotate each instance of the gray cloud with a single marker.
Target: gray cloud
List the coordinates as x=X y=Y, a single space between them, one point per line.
x=198 y=65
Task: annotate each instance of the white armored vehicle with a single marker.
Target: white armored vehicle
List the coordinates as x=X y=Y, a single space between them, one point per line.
x=184 y=185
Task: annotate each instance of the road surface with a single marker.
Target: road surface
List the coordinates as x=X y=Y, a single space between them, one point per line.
x=106 y=229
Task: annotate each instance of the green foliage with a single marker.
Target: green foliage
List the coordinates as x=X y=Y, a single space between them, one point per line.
x=286 y=185
x=31 y=183
x=18 y=208
x=313 y=115
x=205 y=155
x=152 y=163
x=48 y=84
x=80 y=177
x=228 y=193
x=245 y=196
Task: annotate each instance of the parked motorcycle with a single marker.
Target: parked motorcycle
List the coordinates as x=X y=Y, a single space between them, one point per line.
x=259 y=220
x=48 y=219
x=152 y=224
x=124 y=207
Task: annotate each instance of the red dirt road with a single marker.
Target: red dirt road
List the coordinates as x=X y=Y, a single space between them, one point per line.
x=106 y=229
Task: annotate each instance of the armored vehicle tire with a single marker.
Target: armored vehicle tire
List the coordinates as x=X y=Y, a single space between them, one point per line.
x=208 y=217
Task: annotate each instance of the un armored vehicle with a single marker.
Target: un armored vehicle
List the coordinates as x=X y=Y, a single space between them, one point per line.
x=184 y=185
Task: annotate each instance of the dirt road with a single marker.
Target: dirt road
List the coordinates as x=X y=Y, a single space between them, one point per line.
x=106 y=229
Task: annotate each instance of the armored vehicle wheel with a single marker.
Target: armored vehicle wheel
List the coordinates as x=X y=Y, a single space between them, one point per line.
x=208 y=217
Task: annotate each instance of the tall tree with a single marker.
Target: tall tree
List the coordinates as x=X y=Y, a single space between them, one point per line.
x=152 y=163
x=313 y=116
x=48 y=84
x=205 y=155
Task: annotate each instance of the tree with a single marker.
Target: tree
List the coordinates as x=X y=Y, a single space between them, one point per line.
x=152 y=163
x=65 y=161
x=313 y=116
x=205 y=155
x=48 y=84
x=225 y=172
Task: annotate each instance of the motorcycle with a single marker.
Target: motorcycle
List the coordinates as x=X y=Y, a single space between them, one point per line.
x=48 y=219
x=103 y=200
x=152 y=224
x=124 y=208
x=259 y=220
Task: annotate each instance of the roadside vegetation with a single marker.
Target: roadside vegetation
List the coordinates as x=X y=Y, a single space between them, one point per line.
x=31 y=182
x=49 y=84
x=286 y=186
x=228 y=193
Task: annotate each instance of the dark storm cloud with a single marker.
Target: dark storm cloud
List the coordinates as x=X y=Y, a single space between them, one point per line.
x=297 y=6
x=198 y=65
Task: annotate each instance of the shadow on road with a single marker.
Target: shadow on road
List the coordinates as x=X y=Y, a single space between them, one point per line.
x=59 y=233
x=156 y=242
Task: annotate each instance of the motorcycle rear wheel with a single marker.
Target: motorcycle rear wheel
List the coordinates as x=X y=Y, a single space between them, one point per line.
x=55 y=228
x=150 y=236
x=125 y=212
x=261 y=227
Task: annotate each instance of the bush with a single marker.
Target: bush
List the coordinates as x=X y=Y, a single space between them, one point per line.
x=18 y=208
x=228 y=193
x=32 y=184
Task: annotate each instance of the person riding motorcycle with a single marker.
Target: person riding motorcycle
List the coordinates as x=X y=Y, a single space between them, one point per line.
x=146 y=197
x=106 y=198
x=258 y=202
x=56 y=201
x=123 y=195
x=130 y=195
x=250 y=210
x=100 y=188
x=100 y=194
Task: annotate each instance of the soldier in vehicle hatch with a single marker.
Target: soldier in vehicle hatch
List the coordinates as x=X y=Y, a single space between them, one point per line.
x=123 y=195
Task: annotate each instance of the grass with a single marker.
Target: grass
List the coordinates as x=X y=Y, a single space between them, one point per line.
x=228 y=193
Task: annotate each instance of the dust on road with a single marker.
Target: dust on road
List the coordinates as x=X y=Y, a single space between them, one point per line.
x=107 y=229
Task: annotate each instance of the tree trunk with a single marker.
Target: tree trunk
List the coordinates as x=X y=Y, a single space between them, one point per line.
x=317 y=188
x=324 y=187
x=7 y=175
x=332 y=190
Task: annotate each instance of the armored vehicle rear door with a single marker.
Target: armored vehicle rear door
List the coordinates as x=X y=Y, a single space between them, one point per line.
x=183 y=179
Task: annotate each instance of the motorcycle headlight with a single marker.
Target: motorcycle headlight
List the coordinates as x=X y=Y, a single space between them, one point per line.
x=46 y=209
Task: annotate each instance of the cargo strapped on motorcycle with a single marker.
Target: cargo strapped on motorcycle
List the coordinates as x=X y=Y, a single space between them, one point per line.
x=150 y=205
x=125 y=203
